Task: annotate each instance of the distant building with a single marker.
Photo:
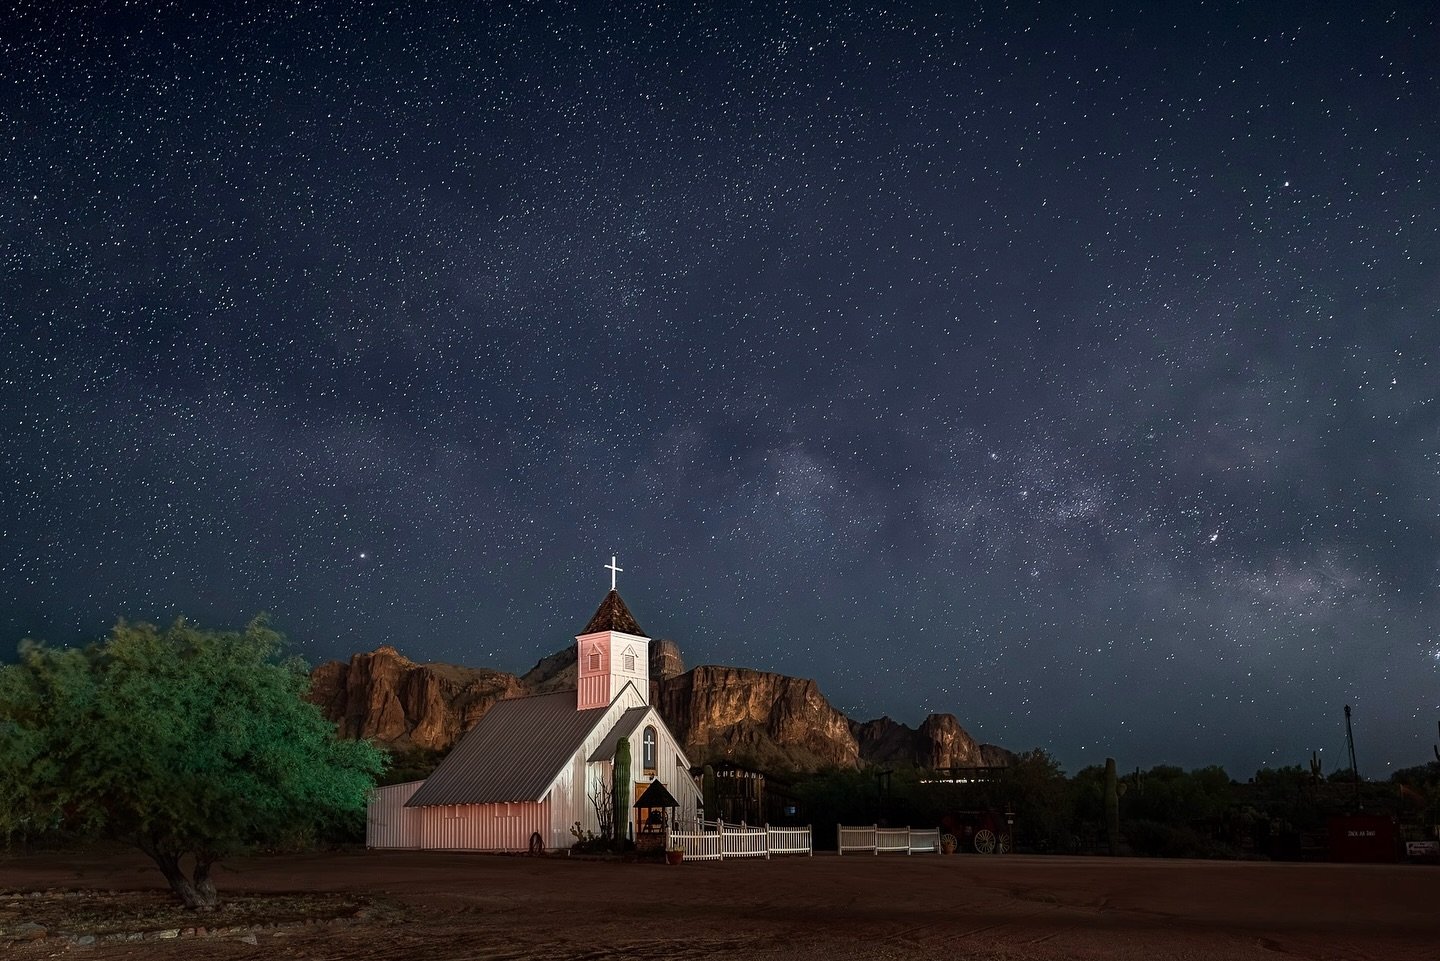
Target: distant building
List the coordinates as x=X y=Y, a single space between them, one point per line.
x=527 y=772
x=746 y=795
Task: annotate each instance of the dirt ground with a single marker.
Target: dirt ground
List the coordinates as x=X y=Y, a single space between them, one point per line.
x=826 y=908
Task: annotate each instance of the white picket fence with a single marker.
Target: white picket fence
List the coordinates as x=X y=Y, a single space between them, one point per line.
x=790 y=841
x=878 y=840
x=716 y=840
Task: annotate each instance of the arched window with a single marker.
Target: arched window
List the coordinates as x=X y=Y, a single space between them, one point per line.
x=647 y=750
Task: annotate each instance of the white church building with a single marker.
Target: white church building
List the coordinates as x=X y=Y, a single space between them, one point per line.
x=525 y=774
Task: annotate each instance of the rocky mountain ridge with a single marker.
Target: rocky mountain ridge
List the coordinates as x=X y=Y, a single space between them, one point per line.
x=770 y=721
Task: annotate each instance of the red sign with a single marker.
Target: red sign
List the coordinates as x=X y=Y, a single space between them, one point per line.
x=1363 y=839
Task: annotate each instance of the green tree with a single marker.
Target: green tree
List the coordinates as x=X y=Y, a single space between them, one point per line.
x=1172 y=795
x=837 y=796
x=188 y=743
x=1033 y=786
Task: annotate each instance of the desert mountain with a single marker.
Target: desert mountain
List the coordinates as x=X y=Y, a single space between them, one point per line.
x=386 y=697
x=770 y=721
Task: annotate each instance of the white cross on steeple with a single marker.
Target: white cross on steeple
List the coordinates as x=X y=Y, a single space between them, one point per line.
x=613 y=571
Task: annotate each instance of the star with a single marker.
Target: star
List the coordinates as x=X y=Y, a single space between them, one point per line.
x=799 y=332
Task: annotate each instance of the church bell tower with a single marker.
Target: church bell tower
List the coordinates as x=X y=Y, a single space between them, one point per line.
x=611 y=651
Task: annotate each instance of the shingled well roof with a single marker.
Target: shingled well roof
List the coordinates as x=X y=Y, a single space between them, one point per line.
x=513 y=754
x=656 y=796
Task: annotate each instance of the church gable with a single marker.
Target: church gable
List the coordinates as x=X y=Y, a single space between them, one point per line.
x=624 y=727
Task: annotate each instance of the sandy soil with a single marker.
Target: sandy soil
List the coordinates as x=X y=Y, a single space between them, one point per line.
x=827 y=907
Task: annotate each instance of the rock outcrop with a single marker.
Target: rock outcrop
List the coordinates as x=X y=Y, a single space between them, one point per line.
x=555 y=672
x=993 y=755
x=768 y=721
x=940 y=741
x=883 y=741
x=665 y=660
x=388 y=698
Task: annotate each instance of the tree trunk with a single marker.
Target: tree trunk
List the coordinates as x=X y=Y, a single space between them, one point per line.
x=197 y=894
x=204 y=886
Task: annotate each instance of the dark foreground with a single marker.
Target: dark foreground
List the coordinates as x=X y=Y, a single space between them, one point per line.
x=456 y=906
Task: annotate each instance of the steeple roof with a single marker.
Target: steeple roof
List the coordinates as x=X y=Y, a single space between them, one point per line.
x=613 y=615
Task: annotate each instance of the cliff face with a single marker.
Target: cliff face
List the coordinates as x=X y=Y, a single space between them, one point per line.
x=391 y=699
x=769 y=721
x=765 y=720
x=940 y=741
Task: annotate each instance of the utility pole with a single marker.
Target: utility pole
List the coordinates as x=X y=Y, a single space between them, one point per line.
x=1354 y=768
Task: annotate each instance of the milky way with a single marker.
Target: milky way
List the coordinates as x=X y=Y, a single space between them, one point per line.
x=1070 y=369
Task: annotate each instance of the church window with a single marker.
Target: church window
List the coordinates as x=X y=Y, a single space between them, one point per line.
x=629 y=660
x=648 y=749
x=594 y=659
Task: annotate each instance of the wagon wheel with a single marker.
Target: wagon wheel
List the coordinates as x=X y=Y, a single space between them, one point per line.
x=537 y=844
x=1002 y=844
x=985 y=840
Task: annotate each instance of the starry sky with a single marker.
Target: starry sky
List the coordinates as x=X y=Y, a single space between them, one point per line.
x=1068 y=367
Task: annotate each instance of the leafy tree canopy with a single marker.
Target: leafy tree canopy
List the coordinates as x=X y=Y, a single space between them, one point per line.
x=188 y=743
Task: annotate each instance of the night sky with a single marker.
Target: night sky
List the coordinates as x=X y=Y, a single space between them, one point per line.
x=1069 y=368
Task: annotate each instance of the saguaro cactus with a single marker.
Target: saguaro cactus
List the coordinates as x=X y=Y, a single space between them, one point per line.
x=621 y=789
x=1112 y=807
x=1315 y=765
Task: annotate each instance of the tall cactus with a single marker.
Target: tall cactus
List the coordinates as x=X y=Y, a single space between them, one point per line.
x=621 y=789
x=1112 y=807
x=1315 y=766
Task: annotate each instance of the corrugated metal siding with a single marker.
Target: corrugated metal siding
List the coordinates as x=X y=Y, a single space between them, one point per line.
x=484 y=827
x=508 y=826
x=570 y=792
x=594 y=691
x=567 y=804
x=672 y=769
x=388 y=822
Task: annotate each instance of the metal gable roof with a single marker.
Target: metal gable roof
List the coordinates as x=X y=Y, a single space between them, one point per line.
x=513 y=754
x=623 y=728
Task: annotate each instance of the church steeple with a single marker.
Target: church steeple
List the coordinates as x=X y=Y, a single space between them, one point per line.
x=611 y=651
x=613 y=615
